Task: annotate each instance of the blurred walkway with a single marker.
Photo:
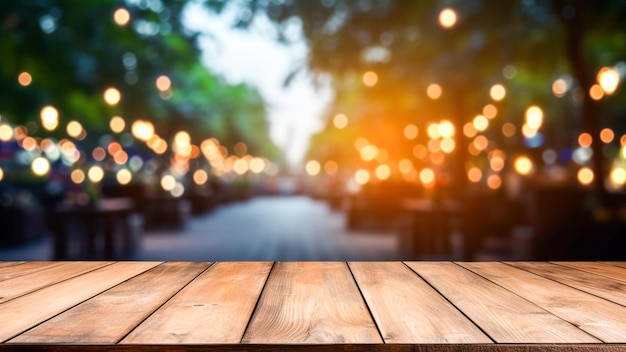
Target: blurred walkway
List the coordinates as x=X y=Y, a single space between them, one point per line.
x=262 y=229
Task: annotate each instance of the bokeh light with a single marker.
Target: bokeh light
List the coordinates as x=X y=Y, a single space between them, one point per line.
x=200 y=177
x=607 y=135
x=124 y=176
x=427 y=177
x=75 y=129
x=340 y=121
x=370 y=78
x=6 y=132
x=117 y=124
x=618 y=176
x=40 y=166
x=313 y=167
x=410 y=131
x=474 y=174
x=383 y=172
x=559 y=88
x=163 y=83
x=497 y=92
x=1 y=174
x=585 y=176
x=112 y=96
x=168 y=182
x=121 y=17
x=369 y=152
x=523 y=165
x=480 y=123
x=609 y=79
x=331 y=167
x=534 y=117
x=49 y=118
x=434 y=91
x=24 y=79
x=494 y=182
x=447 y=18
x=585 y=140
x=490 y=111
x=445 y=129
x=405 y=166
x=77 y=176
x=508 y=130
x=362 y=176
x=142 y=130
x=95 y=174
x=596 y=92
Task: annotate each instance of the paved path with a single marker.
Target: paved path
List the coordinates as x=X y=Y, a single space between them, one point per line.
x=269 y=229
x=262 y=229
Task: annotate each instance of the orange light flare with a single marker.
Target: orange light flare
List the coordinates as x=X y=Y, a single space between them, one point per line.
x=370 y=78
x=585 y=140
x=607 y=135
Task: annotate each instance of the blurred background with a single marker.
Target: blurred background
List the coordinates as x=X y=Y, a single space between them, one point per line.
x=312 y=130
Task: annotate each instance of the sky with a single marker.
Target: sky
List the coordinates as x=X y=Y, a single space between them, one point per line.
x=255 y=57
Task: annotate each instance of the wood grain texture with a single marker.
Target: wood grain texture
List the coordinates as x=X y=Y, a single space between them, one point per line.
x=21 y=285
x=620 y=264
x=108 y=317
x=311 y=303
x=322 y=348
x=602 y=286
x=608 y=270
x=407 y=310
x=13 y=271
x=4 y=264
x=600 y=318
x=503 y=315
x=215 y=308
x=31 y=309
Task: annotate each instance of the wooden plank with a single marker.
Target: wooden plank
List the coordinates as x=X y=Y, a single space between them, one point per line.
x=21 y=285
x=607 y=270
x=26 y=311
x=503 y=315
x=620 y=264
x=600 y=318
x=214 y=308
x=314 y=302
x=322 y=348
x=392 y=290
x=110 y=316
x=4 y=264
x=601 y=286
x=10 y=272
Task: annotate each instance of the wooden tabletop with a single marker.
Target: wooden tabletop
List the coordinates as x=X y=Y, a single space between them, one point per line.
x=354 y=306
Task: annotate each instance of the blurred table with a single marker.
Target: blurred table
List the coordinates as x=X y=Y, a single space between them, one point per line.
x=318 y=306
x=429 y=224
x=107 y=219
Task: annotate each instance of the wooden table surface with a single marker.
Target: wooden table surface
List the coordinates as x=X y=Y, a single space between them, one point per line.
x=354 y=306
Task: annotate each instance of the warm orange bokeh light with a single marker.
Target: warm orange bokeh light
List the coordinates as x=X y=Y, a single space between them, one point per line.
x=508 y=130
x=24 y=79
x=410 y=131
x=480 y=123
x=596 y=92
x=124 y=176
x=370 y=78
x=559 y=88
x=163 y=83
x=445 y=129
x=490 y=111
x=481 y=142
x=585 y=140
x=49 y=117
x=200 y=177
x=77 y=176
x=434 y=91
x=474 y=174
x=585 y=176
x=494 y=182
x=405 y=166
x=331 y=167
x=523 y=165
x=447 y=145
x=618 y=176
x=607 y=135
x=6 y=132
